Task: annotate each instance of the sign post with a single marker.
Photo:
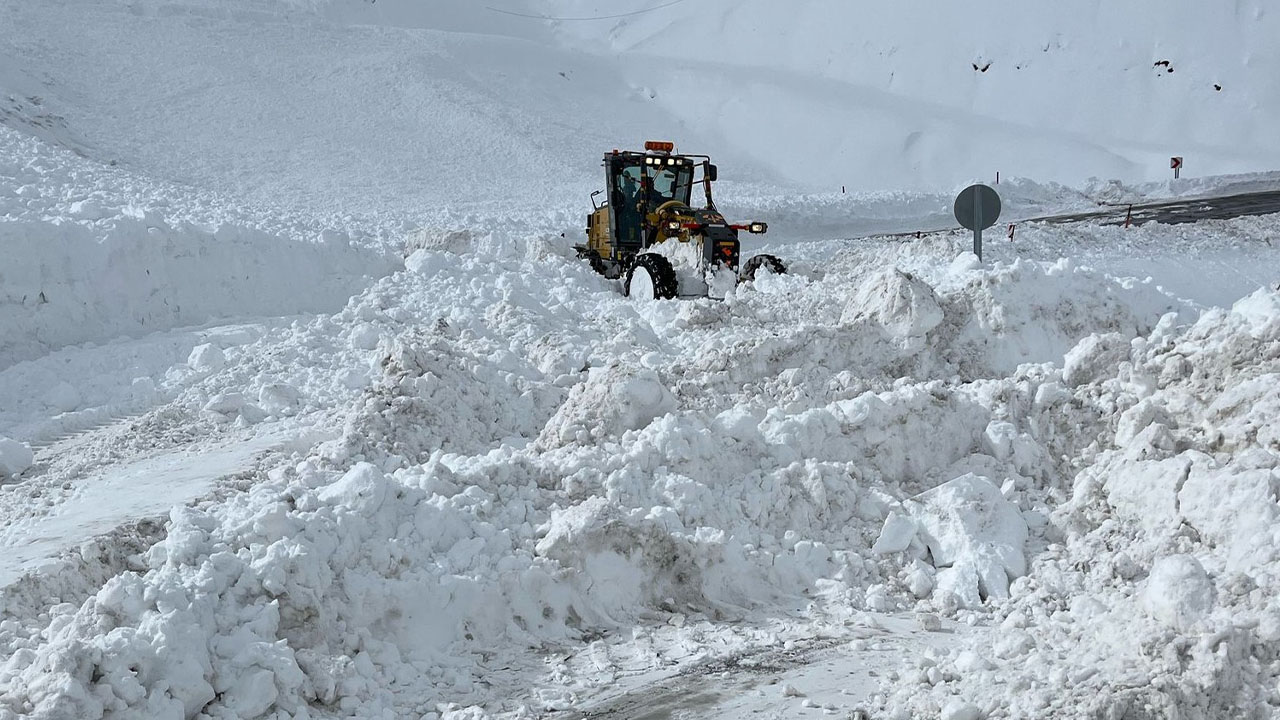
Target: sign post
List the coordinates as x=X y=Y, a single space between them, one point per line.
x=1176 y=164
x=977 y=207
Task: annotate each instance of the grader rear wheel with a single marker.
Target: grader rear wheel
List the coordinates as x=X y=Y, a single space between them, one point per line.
x=769 y=263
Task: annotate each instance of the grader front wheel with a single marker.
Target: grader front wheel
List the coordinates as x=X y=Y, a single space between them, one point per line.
x=651 y=277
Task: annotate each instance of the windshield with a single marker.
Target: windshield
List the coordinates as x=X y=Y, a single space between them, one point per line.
x=671 y=182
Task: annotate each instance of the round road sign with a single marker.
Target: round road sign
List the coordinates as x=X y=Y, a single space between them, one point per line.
x=977 y=204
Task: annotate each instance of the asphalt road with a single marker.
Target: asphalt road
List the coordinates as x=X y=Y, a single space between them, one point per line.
x=1174 y=212
x=1168 y=212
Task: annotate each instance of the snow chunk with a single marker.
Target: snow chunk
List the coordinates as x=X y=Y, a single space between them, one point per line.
x=1147 y=492
x=279 y=398
x=255 y=695
x=612 y=400
x=960 y=710
x=426 y=262
x=227 y=403
x=365 y=336
x=904 y=306
x=896 y=535
x=89 y=210
x=1179 y=591
x=999 y=437
x=362 y=488
x=1259 y=310
x=15 y=457
x=1094 y=358
x=1136 y=419
x=965 y=262
x=976 y=534
x=206 y=358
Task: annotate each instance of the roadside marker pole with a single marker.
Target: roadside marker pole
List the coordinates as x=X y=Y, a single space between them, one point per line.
x=977 y=230
x=1010 y=232
x=1128 y=217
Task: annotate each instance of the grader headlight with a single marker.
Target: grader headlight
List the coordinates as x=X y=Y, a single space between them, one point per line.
x=758 y=228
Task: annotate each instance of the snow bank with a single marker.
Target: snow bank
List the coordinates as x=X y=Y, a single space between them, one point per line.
x=1159 y=594
x=66 y=284
x=524 y=458
x=93 y=253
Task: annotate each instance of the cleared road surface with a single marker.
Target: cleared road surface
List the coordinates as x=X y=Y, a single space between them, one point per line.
x=1174 y=212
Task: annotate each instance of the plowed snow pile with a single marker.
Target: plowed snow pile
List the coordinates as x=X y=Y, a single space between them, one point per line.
x=526 y=461
x=1157 y=596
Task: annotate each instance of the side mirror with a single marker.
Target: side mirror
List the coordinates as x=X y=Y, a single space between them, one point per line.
x=594 y=206
x=711 y=172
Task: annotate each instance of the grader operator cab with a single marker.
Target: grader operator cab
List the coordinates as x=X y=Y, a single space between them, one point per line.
x=648 y=234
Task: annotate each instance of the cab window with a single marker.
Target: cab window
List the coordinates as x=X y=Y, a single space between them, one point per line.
x=671 y=183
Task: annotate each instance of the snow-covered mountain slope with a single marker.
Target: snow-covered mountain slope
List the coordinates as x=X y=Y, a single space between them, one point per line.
x=920 y=93
x=351 y=106
x=283 y=108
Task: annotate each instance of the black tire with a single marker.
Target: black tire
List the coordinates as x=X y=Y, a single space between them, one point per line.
x=593 y=258
x=659 y=274
x=769 y=262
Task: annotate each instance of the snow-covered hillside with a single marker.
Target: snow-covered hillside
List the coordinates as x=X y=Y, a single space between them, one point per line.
x=308 y=409
x=920 y=93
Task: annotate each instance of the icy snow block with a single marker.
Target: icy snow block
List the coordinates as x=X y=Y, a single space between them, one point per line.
x=612 y=401
x=206 y=358
x=965 y=262
x=904 y=306
x=1147 y=492
x=254 y=695
x=365 y=336
x=426 y=262
x=960 y=710
x=974 y=532
x=279 y=398
x=1094 y=358
x=1233 y=508
x=896 y=535
x=15 y=457
x=227 y=403
x=1259 y=310
x=998 y=439
x=1179 y=591
x=362 y=488
x=1136 y=419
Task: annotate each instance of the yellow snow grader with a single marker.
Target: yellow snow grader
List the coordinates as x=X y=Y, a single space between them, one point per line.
x=648 y=234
